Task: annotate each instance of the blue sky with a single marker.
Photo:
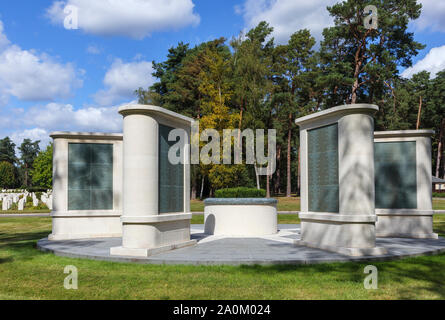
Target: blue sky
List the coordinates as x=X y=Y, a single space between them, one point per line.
x=52 y=78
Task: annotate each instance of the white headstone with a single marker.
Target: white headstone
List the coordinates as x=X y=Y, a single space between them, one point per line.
x=35 y=201
x=21 y=204
x=49 y=203
x=7 y=203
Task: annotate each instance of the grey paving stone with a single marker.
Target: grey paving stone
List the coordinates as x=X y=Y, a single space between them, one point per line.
x=241 y=251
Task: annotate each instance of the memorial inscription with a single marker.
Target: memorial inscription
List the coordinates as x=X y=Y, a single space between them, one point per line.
x=323 y=182
x=90 y=176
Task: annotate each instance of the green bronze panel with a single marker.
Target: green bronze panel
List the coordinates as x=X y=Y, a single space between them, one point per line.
x=171 y=177
x=323 y=180
x=90 y=176
x=395 y=175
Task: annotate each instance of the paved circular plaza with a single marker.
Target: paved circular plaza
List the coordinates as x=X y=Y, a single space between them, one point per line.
x=217 y=250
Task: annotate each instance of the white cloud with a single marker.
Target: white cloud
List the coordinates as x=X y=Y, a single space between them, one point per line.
x=433 y=62
x=432 y=17
x=36 y=134
x=93 y=49
x=122 y=79
x=30 y=76
x=4 y=42
x=63 y=117
x=38 y=122
x=133 y=18
x=288 y=16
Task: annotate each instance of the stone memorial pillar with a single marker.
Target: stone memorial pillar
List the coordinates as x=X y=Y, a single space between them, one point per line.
x=403 y=179
x=86 y=201
x=337 y=180
x=156 y=201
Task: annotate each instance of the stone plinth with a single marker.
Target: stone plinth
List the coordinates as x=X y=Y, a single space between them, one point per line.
x=337 y=180
x=404 y=184
x=77 y=212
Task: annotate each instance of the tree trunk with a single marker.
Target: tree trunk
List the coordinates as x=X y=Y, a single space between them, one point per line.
x=202 y=187
x=258 y=186
x=26 y=175
x=289 y=150
x=419 y=114
x=240 y=125
x=278 y=177
x=194 y=191
x=439 y=147
x=298 y=172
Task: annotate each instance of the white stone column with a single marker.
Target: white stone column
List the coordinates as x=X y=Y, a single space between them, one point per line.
x=145 y=231
x=60 y=175
x=351 y=230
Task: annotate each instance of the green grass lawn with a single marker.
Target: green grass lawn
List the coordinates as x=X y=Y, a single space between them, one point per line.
x=439 y=204
x=284 y=204
x=26 y=273
x=293 y=204
x=25 y=211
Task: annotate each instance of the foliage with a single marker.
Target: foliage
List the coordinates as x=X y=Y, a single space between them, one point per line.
x=438 y=194
x=7 y=175
x=37 y=189
x=359 y=60
x=258 y=84
x=29 y=151
x=7 y=151
x=42 y=174
x=241 y=192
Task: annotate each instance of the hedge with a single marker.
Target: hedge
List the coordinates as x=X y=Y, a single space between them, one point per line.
x=439 y=195
x=241 y=192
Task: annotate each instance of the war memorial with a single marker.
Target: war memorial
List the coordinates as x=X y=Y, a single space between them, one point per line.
x=364 y=195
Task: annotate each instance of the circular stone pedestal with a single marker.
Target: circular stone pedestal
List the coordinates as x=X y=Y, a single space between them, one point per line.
x=240 y=217
x=218 y=250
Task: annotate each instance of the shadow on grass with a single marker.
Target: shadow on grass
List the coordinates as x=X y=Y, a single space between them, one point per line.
x=406 y=277
x=6 y=260
x=21 y=244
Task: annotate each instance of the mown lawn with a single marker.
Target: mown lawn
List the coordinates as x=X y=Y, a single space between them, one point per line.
x=26 y=273
x=293 y=204
x=284 y=204
x=439 y=204
x=25 y=211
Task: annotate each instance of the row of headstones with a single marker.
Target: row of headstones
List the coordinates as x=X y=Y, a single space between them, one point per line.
x=9 y=198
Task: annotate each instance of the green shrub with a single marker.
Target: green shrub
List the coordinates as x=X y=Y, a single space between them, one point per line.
x=14 y=207
x=41 y=206
x=36 y=189
x=241 y=192
x=439 y=195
